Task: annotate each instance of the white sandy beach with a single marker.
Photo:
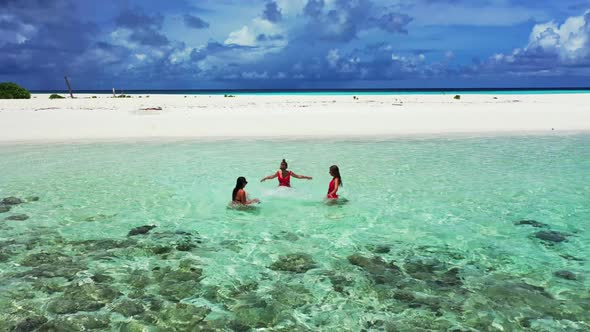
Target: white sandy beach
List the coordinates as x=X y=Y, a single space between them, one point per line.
x=265 y=116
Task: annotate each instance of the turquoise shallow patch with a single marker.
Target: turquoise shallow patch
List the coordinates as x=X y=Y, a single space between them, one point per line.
x=426 y=239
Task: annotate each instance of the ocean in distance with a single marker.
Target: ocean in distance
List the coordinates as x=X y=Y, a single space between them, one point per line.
x=345 y=92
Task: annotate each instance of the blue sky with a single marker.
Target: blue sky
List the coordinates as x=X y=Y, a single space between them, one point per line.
x=258 y=44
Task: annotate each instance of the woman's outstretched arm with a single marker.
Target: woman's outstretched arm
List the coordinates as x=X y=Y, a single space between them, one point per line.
x=269 y=177
x=297 y=176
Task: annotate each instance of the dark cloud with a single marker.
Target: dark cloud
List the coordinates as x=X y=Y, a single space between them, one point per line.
x=6 y=24
x=148 y=37
x=272 y=12
x=213 y=48
x=136 y=19
x=144 y=28
x=394 y=22
x=264 y=37
x=66 y=37
x=313 y=8
x=195 y=22
x=343 y=23
x=29 y=4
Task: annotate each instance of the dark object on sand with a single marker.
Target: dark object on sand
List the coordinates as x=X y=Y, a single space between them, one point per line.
x=69 y=87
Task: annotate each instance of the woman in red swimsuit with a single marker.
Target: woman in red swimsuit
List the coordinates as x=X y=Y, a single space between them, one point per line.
x=285 y=176
x=335 y=183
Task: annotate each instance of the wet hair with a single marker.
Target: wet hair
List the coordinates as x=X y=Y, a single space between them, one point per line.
x=285 y=162
x=240 y=184
x=336 y=173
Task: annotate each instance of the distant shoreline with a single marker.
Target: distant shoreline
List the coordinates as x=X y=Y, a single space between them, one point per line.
x=327 y=92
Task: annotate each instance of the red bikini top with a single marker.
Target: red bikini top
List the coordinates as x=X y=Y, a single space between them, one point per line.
x=284 y=181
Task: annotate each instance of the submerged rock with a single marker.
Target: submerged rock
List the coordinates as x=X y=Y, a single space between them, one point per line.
x=511 y=297
x=532 y=288
x=4 y=208
x=101 y=278
x=178 y=284
x=103 y=244
x=80 y=322
x=571 y=258
x=450 y=278
x=18 y=217
x=51 y=286
x=12 y=201
x=160 y=249
x=180 y=240
x=381 y=249
x=422 y=269
x=339 y=282
x=141 y=230
x=46 y=258
x=132 y=326
x=404 y=296
x=185 y=316
x=290 y=296
x=64 y=269
x=380 y=271
x=177 y=290
x=32 y=198
x=533 y=223
x=264 y=315
x=551 y=236
x=30 y=324
x=185 y=246
x=85 y=297
x=139 y=279
x=284 y=235
x=100 y=217
x=128 y=308
x=298 y=263
x=565 y=275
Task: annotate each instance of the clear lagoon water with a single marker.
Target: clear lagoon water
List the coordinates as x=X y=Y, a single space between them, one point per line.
x=429 y=237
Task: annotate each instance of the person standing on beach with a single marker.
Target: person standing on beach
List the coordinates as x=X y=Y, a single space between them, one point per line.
x=239 y=196
x=335 y=183
x=284 y=175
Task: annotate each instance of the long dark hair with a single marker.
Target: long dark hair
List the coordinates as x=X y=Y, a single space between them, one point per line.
x=240 y=184
x=285 y=162
x=336 y=173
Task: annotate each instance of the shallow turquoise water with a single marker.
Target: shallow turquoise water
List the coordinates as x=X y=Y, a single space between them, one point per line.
x=426 y=241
